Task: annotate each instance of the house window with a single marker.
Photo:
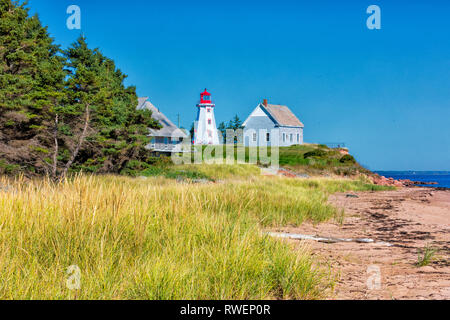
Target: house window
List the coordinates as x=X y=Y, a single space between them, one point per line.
x=268 y=137
x=284 y=137
x=298 y=137
x=291 y=138
x=254 y=137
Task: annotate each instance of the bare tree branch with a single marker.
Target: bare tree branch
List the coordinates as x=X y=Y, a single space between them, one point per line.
x=55 y=154
x=80 y=141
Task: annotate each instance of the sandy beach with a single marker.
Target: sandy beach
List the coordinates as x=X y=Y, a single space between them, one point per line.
x=400 y=223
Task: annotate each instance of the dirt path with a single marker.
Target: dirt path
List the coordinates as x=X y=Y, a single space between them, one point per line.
x=409 y=219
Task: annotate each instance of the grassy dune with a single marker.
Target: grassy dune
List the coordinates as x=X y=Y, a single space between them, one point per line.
x=159 y=238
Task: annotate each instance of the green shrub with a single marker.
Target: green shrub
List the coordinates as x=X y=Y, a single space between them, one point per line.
x=6 y=168
x=162 y=161
x=315 y=154
x=347 y=159
x=186 y=174
x=134 y=167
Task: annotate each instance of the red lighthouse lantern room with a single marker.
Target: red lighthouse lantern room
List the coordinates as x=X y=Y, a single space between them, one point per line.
x=205 y=97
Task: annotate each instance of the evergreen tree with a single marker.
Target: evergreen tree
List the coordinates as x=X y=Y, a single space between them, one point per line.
x=236 y=123
x=62 y=111
x=106 y=131
x=31 y=85
x=192 y=131
x=233 y=124
x=222 y=128
x=49 y=124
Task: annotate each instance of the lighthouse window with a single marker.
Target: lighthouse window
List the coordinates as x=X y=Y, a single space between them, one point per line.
x=207 y=98
x=268 y=137
x=209 y=121
x=208 y=110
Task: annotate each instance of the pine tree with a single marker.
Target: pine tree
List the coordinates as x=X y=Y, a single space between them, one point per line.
x=192 y=131
x=63 y=111
x=236 y=123
x=106 y=130
x=31 y=83
x=222 y=128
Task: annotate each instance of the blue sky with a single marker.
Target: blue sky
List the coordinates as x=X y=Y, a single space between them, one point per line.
x=385 y=93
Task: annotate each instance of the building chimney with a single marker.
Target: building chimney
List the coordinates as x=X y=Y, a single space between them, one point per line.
x=265 y=102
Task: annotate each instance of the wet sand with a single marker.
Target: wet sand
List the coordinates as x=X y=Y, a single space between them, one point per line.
x=409 y=219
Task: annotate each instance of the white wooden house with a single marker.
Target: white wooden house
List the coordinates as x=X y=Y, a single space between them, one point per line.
x=272 y=125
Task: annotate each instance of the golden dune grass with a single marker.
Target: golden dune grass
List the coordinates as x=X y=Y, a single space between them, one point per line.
x=156 y=238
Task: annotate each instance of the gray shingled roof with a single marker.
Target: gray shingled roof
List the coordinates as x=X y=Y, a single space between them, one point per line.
x=141 y=102
x=282 y=115
x=168 y=128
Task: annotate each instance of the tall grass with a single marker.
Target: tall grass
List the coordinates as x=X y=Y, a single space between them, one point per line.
x=159 y=239
x=425 y=256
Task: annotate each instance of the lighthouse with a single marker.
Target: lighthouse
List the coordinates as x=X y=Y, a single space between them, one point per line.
x=205 y=126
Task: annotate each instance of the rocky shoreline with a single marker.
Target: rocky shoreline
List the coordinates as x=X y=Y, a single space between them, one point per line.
x=375 y=178
x=390 y=230
x=383 y=181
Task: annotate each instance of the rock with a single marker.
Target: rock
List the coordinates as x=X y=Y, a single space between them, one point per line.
x=200 y=181
x=351 y=196
x=383 y=181
x=285 y=173
x=409 y=183
x=426 y=183
x=398 y=184
x=291 y=174
x=343 y=151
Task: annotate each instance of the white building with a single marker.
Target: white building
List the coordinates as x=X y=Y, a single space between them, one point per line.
x=169 y=138
x=272 y=125
x=205 y=129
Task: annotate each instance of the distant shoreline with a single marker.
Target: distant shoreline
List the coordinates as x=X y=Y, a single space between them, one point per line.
x=412 y=172
x=440 y=178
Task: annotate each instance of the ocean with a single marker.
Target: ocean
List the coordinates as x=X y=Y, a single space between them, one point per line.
x=441 y=177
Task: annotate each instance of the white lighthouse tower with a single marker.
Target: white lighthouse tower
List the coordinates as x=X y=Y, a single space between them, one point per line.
x=205 y=131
